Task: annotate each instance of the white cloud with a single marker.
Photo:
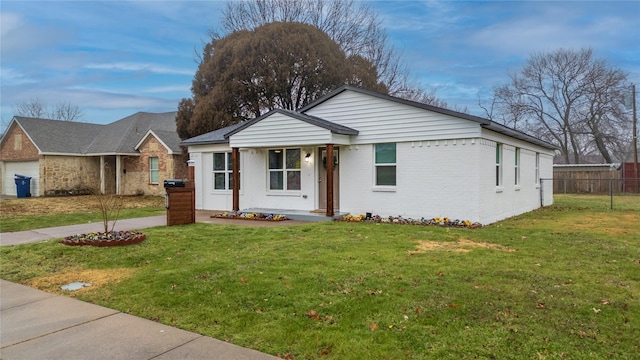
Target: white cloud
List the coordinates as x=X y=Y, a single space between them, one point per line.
x=20 y=37
x=169 y=89
x=12 y=76
x=136 y=67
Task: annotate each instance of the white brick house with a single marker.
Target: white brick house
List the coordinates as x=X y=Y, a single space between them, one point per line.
x=391 y=157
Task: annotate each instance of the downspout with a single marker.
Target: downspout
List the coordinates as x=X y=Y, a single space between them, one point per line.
x=102 y=184
x=235 y=159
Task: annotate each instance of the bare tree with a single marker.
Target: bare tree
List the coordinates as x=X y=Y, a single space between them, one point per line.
x=32 y=108
x=36 y=109
x=568 y=98
x=110 y=207
x=65 y=111
x=353 y=25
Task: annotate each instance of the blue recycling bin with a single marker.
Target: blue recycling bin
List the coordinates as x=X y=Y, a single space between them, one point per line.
x=23 y=186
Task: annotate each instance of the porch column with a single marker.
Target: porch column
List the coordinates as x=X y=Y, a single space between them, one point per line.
x=235 y=160
x=102 y=185
x=118 y=172
x=329 y=164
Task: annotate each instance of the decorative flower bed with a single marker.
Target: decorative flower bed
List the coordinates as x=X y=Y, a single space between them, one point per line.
x=409 y=221
x=251 y=216
x=112 y=238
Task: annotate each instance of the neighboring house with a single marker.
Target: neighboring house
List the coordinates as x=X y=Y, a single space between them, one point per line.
x=129 y=156
x=390 y=157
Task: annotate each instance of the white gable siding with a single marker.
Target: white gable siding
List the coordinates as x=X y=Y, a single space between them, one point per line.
x=280 y=130
x=380 y=120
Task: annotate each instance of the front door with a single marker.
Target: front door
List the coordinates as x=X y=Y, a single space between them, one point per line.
x=322 y=179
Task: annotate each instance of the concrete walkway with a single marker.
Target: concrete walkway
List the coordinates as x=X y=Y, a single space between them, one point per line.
x=39 y=325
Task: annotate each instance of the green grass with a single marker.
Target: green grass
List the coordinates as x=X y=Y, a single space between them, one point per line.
x=624 y=201
x=560 y=282
x=38 y=222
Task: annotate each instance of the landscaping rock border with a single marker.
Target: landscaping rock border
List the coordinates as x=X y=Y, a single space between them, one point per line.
x=100 y=239
x=250 y=216
x=445 y=222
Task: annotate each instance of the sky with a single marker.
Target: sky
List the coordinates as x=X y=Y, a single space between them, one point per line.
x=115 y=58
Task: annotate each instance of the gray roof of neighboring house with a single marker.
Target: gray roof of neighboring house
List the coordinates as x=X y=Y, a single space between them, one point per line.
x=119 y=137
x=169 y=138
x=122 y=136
x=56 y=136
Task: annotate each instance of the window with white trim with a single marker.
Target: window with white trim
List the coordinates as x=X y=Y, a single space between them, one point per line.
x=498 y=164
x=517 y=167
x=154 y=170
x=385 y=164
x=284 y=169
x=223 y=171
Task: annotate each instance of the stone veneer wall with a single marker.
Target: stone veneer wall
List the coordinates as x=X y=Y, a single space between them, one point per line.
x=136 y=180
x=60 y=174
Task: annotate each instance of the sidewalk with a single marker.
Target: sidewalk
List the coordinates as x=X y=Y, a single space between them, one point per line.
x=38 y=325
x=29 y=236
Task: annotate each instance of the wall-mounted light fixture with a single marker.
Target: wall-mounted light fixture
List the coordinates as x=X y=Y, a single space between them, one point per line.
x=307 y=157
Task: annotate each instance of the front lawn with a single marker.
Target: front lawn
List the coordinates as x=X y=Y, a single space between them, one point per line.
x=40 y=212
x=560 y=282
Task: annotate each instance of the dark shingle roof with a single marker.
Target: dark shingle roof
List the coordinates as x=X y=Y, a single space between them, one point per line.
x=56 y=136
x=213 y=137
x=221 y=136
x=120 y=137
x=313 y=120
x=485 y=123
x=169 y=138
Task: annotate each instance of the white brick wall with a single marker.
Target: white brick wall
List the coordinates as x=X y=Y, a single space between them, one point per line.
x=434 y=178
x=452 y=178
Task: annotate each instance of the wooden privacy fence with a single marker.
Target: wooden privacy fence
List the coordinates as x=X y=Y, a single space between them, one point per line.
x=594 y=179
x=595 y=186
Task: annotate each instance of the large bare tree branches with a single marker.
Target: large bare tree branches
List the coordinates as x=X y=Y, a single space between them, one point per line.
x=569 y=98
x=274 y=66
x=36 y=109
x=353 y=25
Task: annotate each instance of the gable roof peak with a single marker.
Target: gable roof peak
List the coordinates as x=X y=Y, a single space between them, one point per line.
x=483 y=122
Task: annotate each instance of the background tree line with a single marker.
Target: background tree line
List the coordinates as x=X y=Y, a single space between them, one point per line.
x=287 y=53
